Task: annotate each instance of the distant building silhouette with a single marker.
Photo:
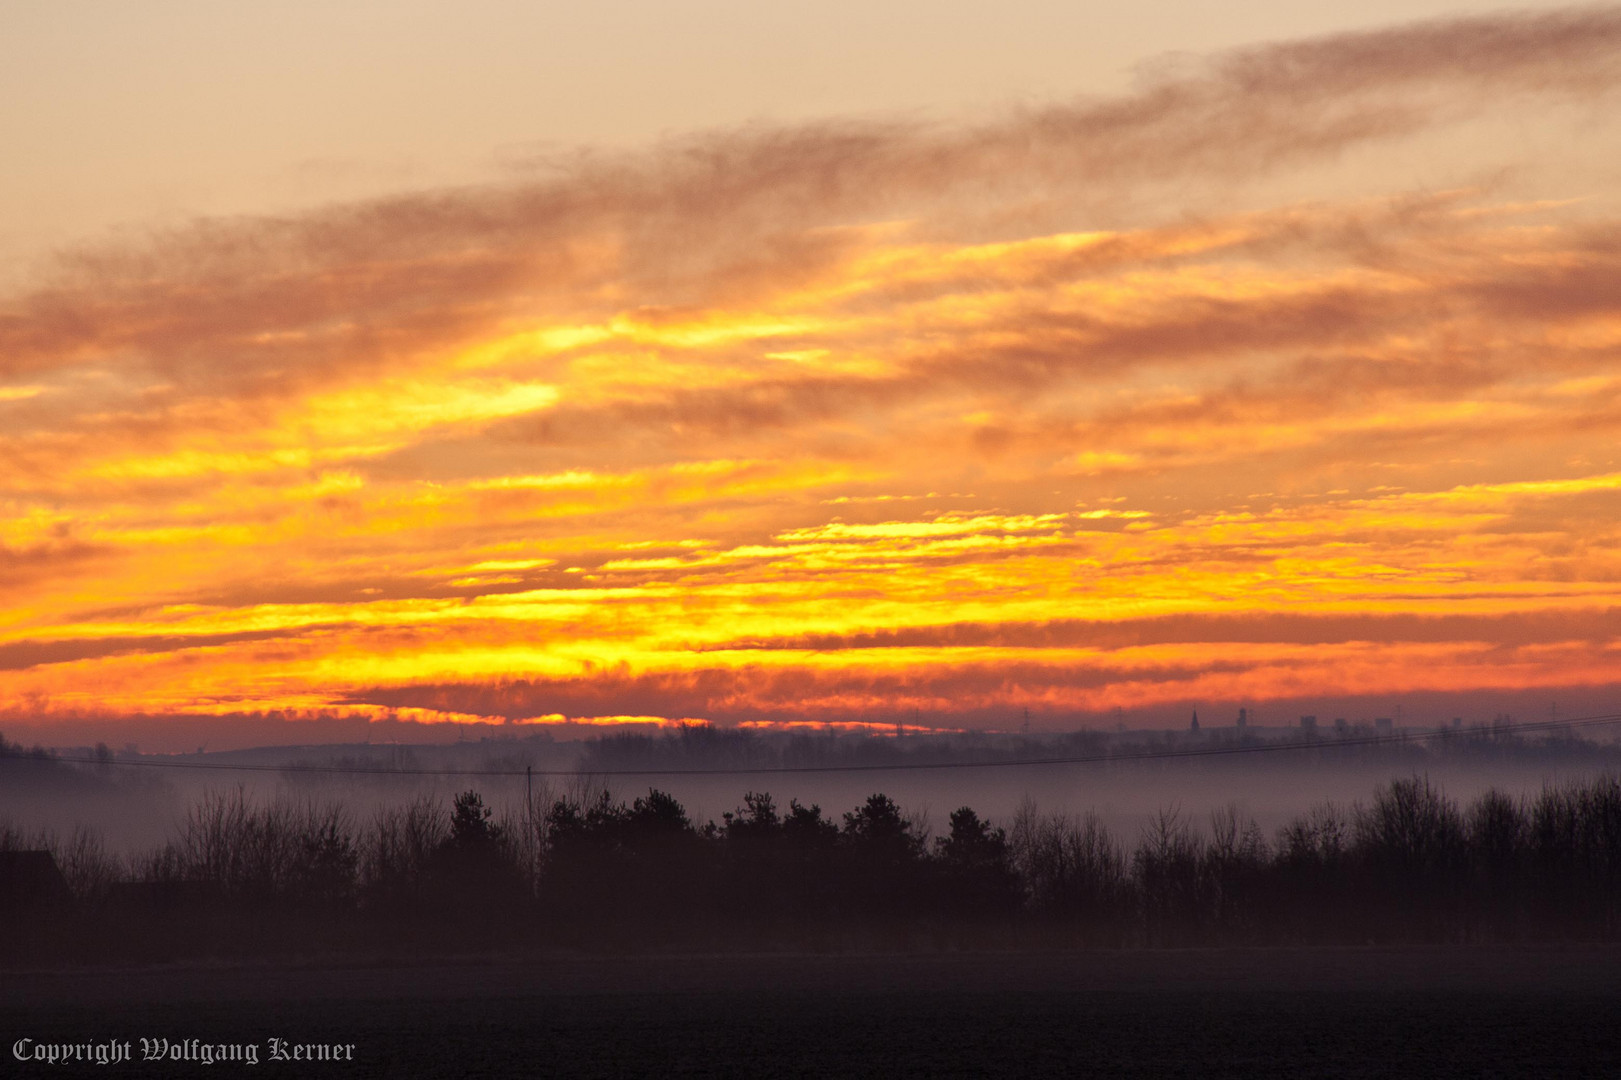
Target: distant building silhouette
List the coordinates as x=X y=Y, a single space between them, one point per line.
x=1308 y=723
x=1340 y=725
x=1243 y=718
x=31 y=880
x=1194 y=726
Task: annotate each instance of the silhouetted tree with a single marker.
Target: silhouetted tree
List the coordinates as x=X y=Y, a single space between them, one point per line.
x=1410 y=841
x=977 y=874
x=396 y=853
x=882 y=861
x=470 y=825
x=1497 y=833
x=1073 y=872
x=642 y=867
x=1166 y=870
x=805 y=828
x=1308 y=894
x=325 y=874
x=1232 y=871
x=475 y=870
x=755 y=823
x=1575 y=835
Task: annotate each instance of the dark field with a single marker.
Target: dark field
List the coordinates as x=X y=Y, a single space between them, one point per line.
x=1546 y=1011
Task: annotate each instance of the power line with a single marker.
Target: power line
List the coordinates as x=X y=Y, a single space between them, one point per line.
x=1162 y=754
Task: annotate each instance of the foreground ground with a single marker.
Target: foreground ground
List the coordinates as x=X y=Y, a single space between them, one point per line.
x=1532 y=1011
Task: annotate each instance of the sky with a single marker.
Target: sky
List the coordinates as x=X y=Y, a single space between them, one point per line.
x=409 y=370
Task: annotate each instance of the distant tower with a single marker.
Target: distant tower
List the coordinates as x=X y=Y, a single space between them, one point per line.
x=1243 y=718
x=1195 y=725
x=1027 y=721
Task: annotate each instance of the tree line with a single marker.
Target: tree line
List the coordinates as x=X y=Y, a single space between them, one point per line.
x=588 y=870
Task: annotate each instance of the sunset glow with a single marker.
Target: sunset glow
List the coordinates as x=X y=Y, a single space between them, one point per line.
x=1199 y=395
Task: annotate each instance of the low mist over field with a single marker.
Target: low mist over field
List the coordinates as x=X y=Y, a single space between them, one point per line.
x=1127 y=779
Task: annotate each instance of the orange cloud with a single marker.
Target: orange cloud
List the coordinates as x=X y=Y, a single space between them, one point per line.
x=1131 y=402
